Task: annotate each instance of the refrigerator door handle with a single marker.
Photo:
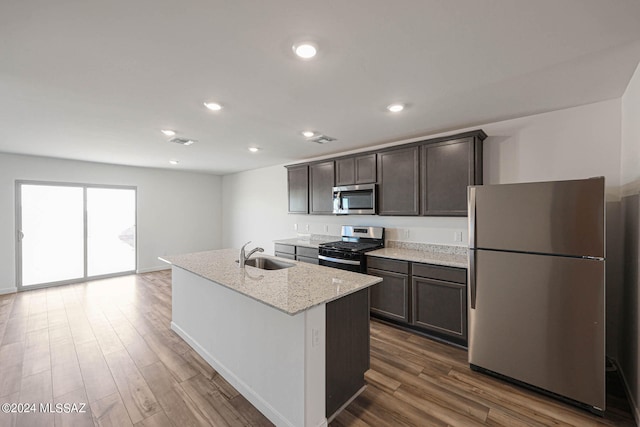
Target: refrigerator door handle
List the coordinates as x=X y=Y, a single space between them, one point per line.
x=472 y=217
x=472 y=279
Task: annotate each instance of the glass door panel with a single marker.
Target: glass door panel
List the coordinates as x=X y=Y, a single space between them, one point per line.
x=111 y=232
x=52 y=229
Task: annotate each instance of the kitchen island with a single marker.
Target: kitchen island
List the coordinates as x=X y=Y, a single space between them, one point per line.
x=294 y=341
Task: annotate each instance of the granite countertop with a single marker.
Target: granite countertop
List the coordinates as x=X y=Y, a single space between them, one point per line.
x=291 y=290
x=310 y=242
x=450 y=256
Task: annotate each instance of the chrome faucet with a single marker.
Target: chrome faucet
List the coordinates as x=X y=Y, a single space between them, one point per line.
x=243 y=257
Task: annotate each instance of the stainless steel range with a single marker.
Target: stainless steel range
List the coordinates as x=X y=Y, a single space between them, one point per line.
x=349 y=253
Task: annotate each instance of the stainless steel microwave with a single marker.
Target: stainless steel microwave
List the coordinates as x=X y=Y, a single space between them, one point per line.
x=355 y=200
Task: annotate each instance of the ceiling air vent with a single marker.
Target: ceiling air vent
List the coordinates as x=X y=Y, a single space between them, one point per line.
x=322 y=139
x=182 y=141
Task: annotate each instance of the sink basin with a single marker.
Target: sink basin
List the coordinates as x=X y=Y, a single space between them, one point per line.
x=267 y=263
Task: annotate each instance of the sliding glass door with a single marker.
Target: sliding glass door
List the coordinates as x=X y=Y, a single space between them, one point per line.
x=53 y=234
x=72 y=232
x=111 y=237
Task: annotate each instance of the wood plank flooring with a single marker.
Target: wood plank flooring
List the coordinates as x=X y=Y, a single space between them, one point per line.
x=108 y=344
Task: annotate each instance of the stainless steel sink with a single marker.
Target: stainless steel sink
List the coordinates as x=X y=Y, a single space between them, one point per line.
x=267 y=263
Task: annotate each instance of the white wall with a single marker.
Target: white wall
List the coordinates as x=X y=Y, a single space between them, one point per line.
x=629 y=357
x=177 y=212
x=578 y=142
x=630 y=167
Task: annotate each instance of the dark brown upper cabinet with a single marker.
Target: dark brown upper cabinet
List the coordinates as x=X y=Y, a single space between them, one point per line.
x=356 y=170
x=321 y=181
x=446 y=169
x=298 y=188
x=399 y=181
x=346 y=171
x=427 y=177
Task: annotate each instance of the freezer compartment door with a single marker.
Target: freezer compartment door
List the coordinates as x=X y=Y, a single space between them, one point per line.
x=561 y=217
x=540 y=320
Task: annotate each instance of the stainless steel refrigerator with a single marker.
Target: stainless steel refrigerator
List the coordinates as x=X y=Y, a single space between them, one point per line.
x=537 y=286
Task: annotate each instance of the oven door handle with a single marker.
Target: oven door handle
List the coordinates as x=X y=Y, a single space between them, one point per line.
x=338 y=260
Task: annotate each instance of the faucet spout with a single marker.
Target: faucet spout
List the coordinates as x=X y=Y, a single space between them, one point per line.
x=243 y=258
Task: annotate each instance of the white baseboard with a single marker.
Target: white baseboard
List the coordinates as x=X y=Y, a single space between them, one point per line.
x=627 y=389
x=152 y=269
x=256 y=400
x=8 y=290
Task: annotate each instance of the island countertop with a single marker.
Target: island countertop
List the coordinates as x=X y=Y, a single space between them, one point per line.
x=291 y=290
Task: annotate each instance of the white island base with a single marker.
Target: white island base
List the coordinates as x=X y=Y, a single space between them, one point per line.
x=275 y=360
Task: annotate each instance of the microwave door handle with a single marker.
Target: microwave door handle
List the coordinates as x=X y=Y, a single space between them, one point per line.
x=340 y=201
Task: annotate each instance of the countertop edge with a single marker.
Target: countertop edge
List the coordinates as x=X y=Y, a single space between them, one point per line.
x=312 y=243
x=419 y=257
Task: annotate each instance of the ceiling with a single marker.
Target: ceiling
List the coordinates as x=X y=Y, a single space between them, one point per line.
x=98 y=80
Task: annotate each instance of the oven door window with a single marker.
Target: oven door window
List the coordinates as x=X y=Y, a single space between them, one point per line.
x=357 y=200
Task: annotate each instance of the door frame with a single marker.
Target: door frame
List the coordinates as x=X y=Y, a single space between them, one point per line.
x=85 y=278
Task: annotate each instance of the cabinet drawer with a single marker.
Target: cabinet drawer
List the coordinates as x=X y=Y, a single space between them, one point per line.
x=286 y=249
x=307 y=252
x=284 y=255
x=449 y=274
x=388 y=264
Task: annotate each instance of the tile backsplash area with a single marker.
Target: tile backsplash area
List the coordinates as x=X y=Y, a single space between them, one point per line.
x=430 y=230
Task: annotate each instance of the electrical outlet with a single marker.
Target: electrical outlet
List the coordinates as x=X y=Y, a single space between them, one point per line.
x=457 y=236
x=315 y=337
x=326 y=228
x=406 y=233
x=295 y=227
x=306 y=227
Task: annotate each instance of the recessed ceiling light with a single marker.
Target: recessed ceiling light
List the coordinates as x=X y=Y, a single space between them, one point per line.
x=305 y=50
x=189 y=142
x=174 y=162
x=168 y=132
x=254 y=149
x=395 y=108
x=213 y=106
x=308 y=133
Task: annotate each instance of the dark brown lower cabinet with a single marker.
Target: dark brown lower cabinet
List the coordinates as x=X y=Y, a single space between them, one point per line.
x=285 y=251
x=298 y=253
x=440 y=306
x=390 y=299
x=347 y=348
x=308 y=255
x=428 y=298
